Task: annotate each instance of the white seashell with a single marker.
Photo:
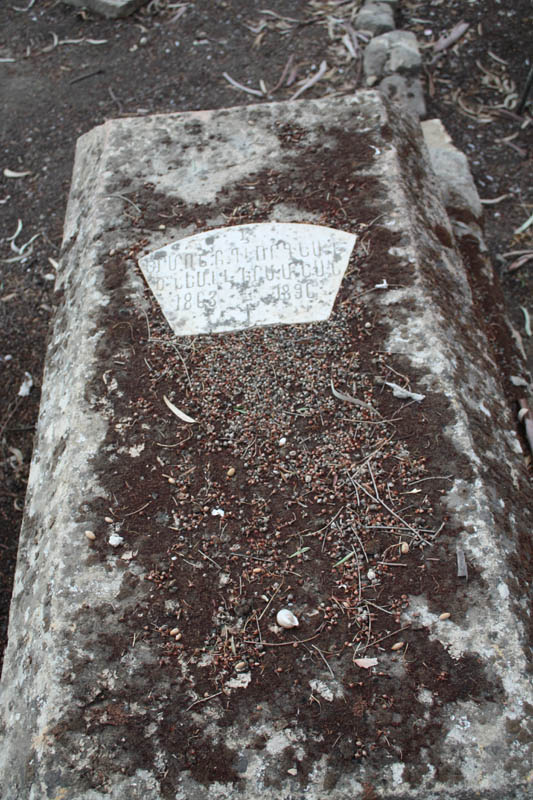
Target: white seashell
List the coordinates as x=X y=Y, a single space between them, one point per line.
x=286 y=619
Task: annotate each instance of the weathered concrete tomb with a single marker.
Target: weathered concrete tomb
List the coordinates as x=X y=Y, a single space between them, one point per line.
x=280 y=379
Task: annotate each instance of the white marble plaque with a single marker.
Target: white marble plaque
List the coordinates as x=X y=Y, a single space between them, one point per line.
x=268 y=273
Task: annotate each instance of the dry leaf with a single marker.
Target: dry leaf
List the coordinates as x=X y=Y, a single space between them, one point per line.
x=311 y=82
x=404 y=394
x=349 y=399
x=455 y=34
x=462 y=569
x=25 y=386
x=365 y=663
x=177 y=412
x=240 y=86
x=9 y=173
x=520 y=261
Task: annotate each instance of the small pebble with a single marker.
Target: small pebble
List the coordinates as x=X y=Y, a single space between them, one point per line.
x=231 y=472
x=174 y=631
x=397 y=646
x=172 y=480
x=241 y=666
x=404 y=547
x=282 y=441
x=292 y=771
x=371 y=575
x=446 y=615
x=108 y=519
x=286 y=619
x=90 y=535
x=115 y=540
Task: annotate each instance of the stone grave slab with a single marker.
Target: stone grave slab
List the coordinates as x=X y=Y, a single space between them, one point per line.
x=357 y=467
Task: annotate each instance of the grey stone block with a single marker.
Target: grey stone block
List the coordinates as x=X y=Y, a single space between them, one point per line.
x=407 y=93
x=392 y=52
x=450 y=165
x=88 y=709
x=375 y=18
x=109 y=8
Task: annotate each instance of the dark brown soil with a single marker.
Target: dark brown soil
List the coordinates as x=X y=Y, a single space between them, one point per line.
x=155 y=62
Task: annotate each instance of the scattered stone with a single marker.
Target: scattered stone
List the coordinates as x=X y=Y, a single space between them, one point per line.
x=444 y=616
x=90 y=535
x=286 y=619
x=396 y=51
x=109 y=8
x=231 y=472
x=375 y=18
x=451 y=168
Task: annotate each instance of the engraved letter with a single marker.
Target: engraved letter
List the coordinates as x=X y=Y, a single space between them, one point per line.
x=201 y=277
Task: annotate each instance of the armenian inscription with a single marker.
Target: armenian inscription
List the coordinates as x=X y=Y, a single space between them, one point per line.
x=244 y=276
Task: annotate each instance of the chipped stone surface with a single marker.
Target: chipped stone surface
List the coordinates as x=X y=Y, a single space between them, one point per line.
x=109 y=8
x=235 y=278
x=67 y=601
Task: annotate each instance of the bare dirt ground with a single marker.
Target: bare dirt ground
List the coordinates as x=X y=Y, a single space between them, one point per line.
x=63 y=71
